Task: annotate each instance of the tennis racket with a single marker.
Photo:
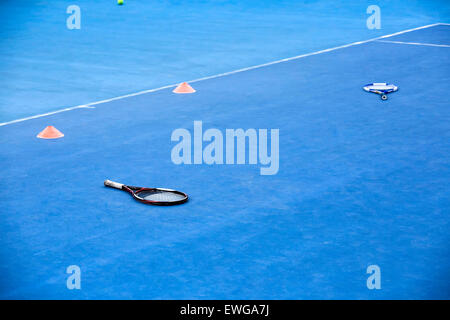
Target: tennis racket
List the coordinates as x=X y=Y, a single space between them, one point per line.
x=155 y=196
x=380 y=88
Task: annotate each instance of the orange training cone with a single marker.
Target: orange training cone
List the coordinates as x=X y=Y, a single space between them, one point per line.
x=50 y=133
x=184 y=88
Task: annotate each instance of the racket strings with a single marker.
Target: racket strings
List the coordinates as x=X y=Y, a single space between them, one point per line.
x=160 y=196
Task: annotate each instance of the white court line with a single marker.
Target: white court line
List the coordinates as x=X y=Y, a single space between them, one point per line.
x=46 y=114
x=415 y=43
x=221 y=74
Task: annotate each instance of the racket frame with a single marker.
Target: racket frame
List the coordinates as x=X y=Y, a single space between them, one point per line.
x=368 y=88
x=134 y=191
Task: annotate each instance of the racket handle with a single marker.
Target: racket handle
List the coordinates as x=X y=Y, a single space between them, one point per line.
x=113 y=184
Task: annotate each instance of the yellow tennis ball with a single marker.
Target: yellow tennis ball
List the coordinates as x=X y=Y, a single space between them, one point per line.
x=120 y=2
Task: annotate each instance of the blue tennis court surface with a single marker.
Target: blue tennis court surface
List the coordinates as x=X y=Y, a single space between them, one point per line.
x=360 y=182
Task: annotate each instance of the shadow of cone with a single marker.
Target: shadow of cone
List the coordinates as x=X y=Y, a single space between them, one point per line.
x=50 y=132
x=184 y=88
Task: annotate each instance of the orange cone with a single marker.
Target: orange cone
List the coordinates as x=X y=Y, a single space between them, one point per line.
x=50 y=133
x=184 y=88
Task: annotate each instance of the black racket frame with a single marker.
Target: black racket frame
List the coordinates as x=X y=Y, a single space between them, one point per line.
x=134 y=191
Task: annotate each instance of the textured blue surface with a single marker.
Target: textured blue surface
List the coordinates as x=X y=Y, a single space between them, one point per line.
x=361 y=182
x=148 y=44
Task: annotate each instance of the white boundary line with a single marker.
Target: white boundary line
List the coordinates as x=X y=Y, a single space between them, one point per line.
x=220 y=74
x=415 y=43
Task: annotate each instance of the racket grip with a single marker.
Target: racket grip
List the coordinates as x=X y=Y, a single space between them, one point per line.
x=113 y=184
